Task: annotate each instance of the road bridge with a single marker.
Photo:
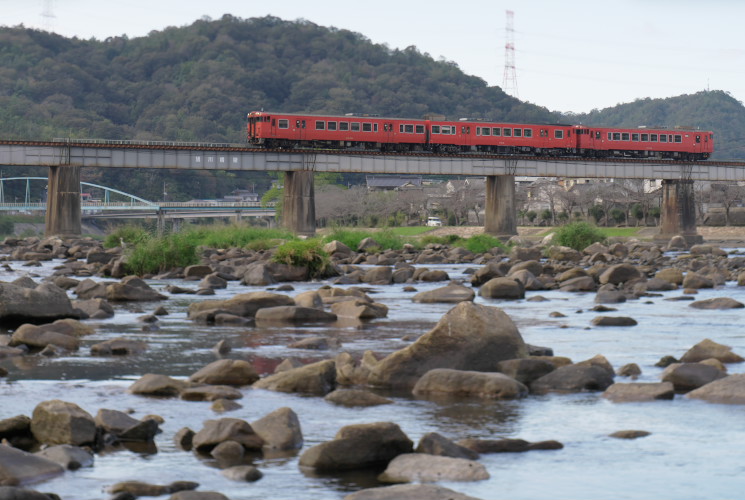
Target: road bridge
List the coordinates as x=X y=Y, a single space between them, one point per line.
x=65 y=157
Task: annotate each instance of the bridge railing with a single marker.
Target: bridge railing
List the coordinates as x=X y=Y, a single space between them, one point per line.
x=113 y=142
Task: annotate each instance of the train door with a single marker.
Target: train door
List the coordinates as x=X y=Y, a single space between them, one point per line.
x=465 y=132
x=300 y=128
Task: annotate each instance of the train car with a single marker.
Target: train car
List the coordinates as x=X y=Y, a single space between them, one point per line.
x=283 y=130
x=680 y=144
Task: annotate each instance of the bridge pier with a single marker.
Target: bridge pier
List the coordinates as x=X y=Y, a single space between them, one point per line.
x=299 y=209
x=63 y=202
x=500 y=217
x=678 y=211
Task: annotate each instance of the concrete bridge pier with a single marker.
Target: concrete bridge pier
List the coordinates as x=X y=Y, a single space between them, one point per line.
x=500 y=217
x=678 y=211
x=299 y=209
x=63 y=202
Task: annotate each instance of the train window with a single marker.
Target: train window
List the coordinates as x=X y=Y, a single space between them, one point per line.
x=409 y=129
x=625 y=136
x=331 y=125
x=401 y=128
x=698 y=138
x=635 y=137
x=355 y=126
x=558 y=134
x=420 y=129
x=528 y=132
x=663 y=138
x=320 y=125
x=284 y=123
x=375 y=127
x=610 y=136
x=507 y=132
x=518 y=132
x=652 y=137
x=367 y=127
x=645 y=137
x=678 y=138
x=616 y=136
x=486 y=131
x=344 y=126
x=435 y=129
x=446 y=129
x=496 y=131
x=544 y=132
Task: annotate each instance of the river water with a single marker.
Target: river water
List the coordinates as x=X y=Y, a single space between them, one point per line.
x=694 y=450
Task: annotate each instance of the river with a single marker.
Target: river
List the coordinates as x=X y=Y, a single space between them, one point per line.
x=694 y=450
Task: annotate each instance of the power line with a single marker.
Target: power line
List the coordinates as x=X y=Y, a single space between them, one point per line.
x=509 y=81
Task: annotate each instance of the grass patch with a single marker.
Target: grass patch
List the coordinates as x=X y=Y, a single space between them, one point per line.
x=578 y=235
x=130 y=234
x=387 y=239
x=410 y=230
x=304 y=253
x=625 y=232
x=238 y=236
x=481 y=243
x=160 y=254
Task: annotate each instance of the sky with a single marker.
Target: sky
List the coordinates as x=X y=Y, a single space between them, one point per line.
x=569 y=56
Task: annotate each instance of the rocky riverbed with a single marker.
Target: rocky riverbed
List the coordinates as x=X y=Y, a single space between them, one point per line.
x=537 y=374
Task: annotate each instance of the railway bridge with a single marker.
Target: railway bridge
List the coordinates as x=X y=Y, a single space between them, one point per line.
x=65 y=158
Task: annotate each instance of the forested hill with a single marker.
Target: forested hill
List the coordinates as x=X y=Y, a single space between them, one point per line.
x=709 y=110
x=198 y=82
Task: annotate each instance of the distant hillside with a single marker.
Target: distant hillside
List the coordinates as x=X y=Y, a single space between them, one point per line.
x=197 y=83
x=714 y=110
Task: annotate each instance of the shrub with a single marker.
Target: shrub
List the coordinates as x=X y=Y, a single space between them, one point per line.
x=159 y=254
x=130 y=234
x=481 y=243
x=352 y=238
x=308 y=253
x=578 y=235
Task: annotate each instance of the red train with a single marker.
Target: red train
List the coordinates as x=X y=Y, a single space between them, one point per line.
x=282 y=130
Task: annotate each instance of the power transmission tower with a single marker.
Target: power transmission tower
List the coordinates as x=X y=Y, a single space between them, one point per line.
x=47 y=15
x=509 y=81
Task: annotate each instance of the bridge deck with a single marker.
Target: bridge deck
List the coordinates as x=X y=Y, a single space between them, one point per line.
x=195 y=156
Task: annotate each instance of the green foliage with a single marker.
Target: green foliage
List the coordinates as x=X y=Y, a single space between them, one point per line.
x=159 y=254
x=597 y=212
x=387 y=239
x=531 y=215
x=7 y=226
x=237 y=235
x=618 y=215
x=481 y=243
x=130 y=234
x=578 y=235
x=306 y=253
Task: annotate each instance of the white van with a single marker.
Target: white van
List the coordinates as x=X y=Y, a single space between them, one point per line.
x=434 y=221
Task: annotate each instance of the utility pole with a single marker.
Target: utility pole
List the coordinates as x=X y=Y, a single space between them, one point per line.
x=509 y=81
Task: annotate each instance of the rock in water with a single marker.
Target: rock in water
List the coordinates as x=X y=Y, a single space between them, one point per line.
x=468 y=337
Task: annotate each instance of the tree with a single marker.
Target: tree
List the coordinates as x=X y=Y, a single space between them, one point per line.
x=728 y=195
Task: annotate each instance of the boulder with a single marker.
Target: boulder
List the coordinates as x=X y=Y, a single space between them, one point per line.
x=564 y=254
x=358 y=446
x=574 y=378
x=525 y=370
x=19 y=467
x=157 y=385
x=444 y=381
x=37 y=337
x=717 y=303
x=197 y=271
x=279 y=430
x=293 y=314
x=619 y=273
x=213 y=281
x=258 y=274
x=198 y=495
x=688 y=376
x=17 y=493
x=659 y=285
x=141 y=489
x=234 y=372
x=424 y=468
x=60 y=422
x=707 y=349
x=246 y=473
x=579 y=284
x=502 y=288
x=68 y=456
x=380 y=275
x=95 y=308
x=210 y=393
x=42 y=304
x=356 y=397
x=619 y=393
x=695 y=281
x=408 y=492
x=126 y=428
x=486 y=273
x=218 y=431
x=629 y=434
x=436 y=444
x=450 y=294
x=727 y=390
x=360 y=309
x=613 y=321
x=118 y=347
x=468 y=337
x=132 y=289
x=351 y=372
x=315 y=378
x=311 y=298
x=671 y=275
x=507 y=445
x=244 y=305
x=338 y=250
